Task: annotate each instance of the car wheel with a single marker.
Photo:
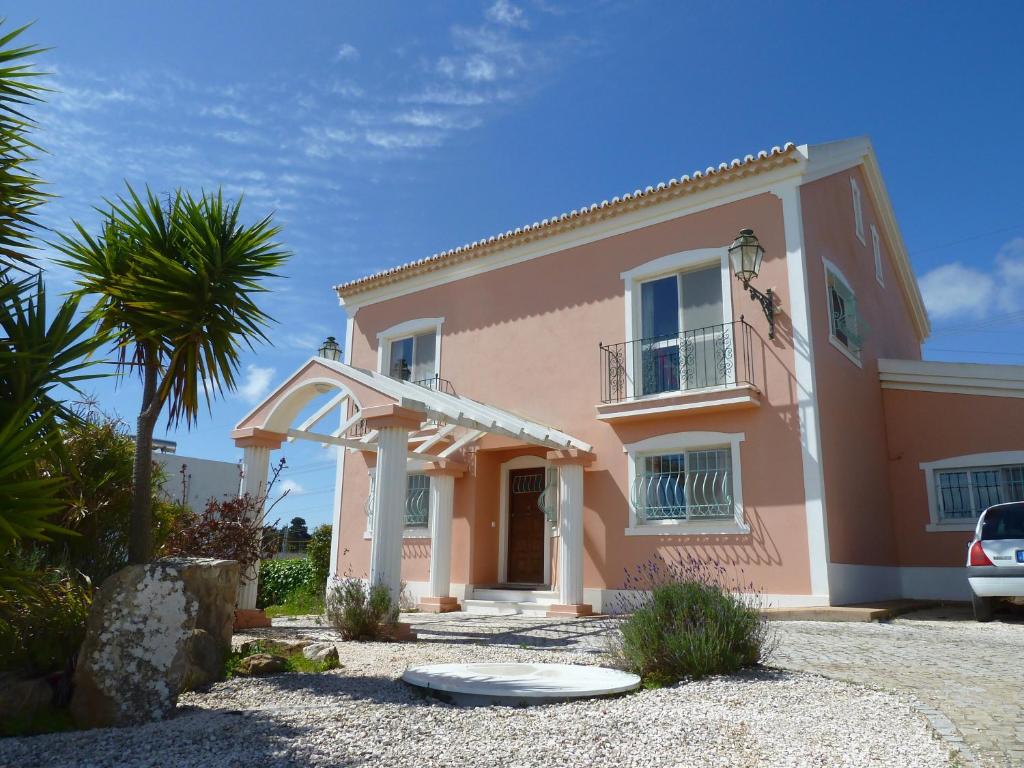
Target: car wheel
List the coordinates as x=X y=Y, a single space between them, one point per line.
x=983 y=608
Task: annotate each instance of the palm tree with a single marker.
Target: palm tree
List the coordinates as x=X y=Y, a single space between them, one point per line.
x=174 y=284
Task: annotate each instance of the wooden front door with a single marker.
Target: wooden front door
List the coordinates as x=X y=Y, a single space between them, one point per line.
x=525 y=527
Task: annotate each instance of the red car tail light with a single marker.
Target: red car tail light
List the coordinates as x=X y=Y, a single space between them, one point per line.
x=978 y=556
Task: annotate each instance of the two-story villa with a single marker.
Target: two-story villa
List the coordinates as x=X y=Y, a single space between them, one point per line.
x=524 y=418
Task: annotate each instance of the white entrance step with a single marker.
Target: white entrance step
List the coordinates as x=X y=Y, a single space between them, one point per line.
x=508 y=602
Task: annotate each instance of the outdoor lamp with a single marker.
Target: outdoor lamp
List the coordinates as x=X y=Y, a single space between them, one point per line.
x=330 y=349
x=745 y=255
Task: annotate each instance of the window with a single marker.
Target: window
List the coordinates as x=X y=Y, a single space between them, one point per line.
x=410 y=351
x=858 y=212
x=694 y=485
x=844 y=322
x=963 y=494
x=417 y=503
x=876 y=247
x=683 y=342
x=960 y=488
x=685 y=483
x=412 y=358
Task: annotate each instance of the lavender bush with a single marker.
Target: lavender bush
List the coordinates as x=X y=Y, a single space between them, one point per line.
x=688 y=619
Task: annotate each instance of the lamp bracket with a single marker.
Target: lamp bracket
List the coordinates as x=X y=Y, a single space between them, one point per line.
x=767 y=302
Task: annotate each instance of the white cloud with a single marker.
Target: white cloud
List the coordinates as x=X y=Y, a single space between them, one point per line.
x=506 y=14
x=229 y=112
x=256 y=384
x=954 y=290
x=346 y=52
x=402 y=139
x=479 y=69
x=70 y=99
x=289 y=486
x=438 y=120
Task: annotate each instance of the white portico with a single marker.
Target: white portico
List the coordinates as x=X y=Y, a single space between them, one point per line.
x=410 y=427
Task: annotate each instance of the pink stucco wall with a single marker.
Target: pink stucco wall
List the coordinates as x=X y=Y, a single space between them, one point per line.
x=929 y=426
x=525 y=337
x=852 y=419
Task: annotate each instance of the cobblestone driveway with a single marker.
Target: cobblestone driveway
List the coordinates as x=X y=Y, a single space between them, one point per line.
x=971 y=673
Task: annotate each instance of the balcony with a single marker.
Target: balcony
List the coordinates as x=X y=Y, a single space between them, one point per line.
x=701 y=369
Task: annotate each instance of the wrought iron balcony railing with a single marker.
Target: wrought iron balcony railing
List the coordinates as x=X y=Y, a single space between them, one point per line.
x=715 y=356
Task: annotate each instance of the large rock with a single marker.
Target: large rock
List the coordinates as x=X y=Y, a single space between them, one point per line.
x=141 y=643
x=325 y=653
x=262 y=664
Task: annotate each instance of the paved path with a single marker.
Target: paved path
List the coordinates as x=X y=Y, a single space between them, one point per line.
x=972 y=674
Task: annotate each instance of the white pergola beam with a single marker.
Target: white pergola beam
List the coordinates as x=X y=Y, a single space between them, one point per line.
x=435 y=439
x=315 y=419
x=344 y=442
x=466 y=439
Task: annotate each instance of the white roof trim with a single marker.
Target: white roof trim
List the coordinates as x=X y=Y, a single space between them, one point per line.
x=455 y=409
x=956 y=378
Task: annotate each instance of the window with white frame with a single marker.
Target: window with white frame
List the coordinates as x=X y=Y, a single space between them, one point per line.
x=858 y=210
x=876 y=247
x=678 y=313
x=963 y=493
x=844 y=321
x=685 y=482
x=409 y=351
x=417 y=500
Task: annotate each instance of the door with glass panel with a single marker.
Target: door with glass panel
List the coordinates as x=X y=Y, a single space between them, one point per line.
x=413 y=358
x=685 y=343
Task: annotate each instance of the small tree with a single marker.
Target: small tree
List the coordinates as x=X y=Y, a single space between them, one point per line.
x=318 y=552
x=297 y=530
x=175 y=286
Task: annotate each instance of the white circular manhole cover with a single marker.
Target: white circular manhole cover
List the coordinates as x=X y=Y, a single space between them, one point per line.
x=518 y=684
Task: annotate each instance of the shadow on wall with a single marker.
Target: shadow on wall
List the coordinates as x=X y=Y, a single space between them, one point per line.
x=749 y=549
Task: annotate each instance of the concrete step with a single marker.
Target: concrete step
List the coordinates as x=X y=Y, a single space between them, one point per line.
x=548 y=597
x=505 y=607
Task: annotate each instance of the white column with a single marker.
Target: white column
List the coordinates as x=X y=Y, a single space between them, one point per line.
x=442 y=497
x=570 y=534
x=389 y=509
x=255 y=471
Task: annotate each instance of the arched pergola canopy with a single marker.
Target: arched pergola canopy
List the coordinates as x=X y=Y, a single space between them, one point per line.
x=447 y=422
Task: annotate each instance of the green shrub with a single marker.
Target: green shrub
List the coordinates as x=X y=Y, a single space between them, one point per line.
x=318 y=552
x=295 y=661
x=686 y=622
x=280 y=578
x=301 y=602
x=45 y=626
x=361 y=614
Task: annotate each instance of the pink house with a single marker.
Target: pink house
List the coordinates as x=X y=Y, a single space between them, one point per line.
x=521 y=419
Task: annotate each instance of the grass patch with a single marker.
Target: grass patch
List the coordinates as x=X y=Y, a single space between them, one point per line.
x=298 y=603
x=294 y=660
x=49 y=719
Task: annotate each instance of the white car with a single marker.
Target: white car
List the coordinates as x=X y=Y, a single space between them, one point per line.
x=995 y=559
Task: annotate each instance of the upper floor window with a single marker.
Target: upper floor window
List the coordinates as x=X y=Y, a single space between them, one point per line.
x=681 y=322
x=412 y=358
x=410 y=351
x=844 y=322
x=858 y=211
x=876 y=248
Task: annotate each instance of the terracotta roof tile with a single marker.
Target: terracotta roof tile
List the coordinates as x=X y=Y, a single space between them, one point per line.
x=711 y=176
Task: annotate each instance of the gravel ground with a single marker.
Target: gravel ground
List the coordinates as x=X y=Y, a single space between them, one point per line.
x=362 y=715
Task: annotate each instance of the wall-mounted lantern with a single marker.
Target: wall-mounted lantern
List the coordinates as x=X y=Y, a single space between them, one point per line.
x=745 y=255
x=330 y=350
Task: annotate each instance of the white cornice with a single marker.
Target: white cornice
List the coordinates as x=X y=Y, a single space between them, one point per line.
x=955 y=378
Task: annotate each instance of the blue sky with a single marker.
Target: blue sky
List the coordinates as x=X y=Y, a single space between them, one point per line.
x=383 y=132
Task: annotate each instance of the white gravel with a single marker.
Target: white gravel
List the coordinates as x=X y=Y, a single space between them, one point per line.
x=362 y=715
